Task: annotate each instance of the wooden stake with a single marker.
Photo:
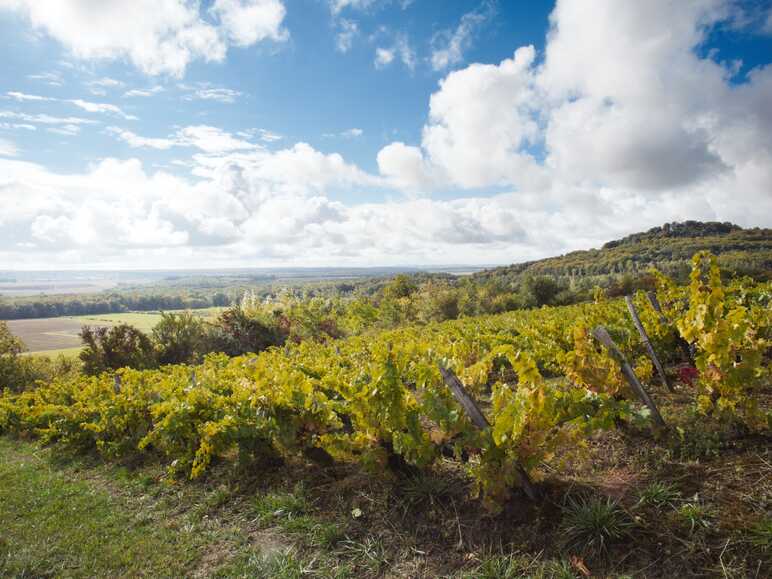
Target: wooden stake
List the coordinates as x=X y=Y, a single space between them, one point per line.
x=479 y=420
x=683 y=344
x=604 y=338
x=647 y=342
x=117 y=383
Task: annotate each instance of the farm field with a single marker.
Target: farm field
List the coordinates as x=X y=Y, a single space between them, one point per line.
x=54 y=336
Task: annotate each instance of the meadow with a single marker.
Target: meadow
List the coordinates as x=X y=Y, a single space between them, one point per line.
x=54 y=336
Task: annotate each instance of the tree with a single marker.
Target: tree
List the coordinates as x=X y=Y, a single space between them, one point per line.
x=402 y=286
x=237 y=333
x=542 y=290
x=179 y=338
x=110 y=348
x=12 y=375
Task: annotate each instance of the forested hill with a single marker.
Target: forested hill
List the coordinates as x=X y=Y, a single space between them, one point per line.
x=668 y=248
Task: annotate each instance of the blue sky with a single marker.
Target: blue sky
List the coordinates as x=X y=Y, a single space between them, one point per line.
x=373 y=132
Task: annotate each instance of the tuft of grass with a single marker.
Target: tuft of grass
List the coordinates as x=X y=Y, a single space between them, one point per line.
x=292 y=513
x=274 y=507
x=369 y=553
x=695 y=513
x=659 y=494
x=425 y=489
x=761 y=534
x=590 y=524
x=282 y=565
x=512 y=565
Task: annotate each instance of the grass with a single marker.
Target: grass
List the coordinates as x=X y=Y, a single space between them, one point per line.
x=591 y=524
x=53 y=526
x=659 y=495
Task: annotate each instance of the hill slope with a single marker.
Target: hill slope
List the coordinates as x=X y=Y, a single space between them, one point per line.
x=668 y=248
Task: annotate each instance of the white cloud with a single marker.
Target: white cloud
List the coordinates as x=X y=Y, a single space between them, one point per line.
x=383 y=57
x=21 y=97
x=146 y=92
x=352 y=133
x=401 y=48
x=449 y=45
x=168 y=37
x=50 y=78
x=101 y=108
x=45 y=119
x=337 y=6
x=205 y=138
x=347 y=31
x=7 y=148
x=134 y=140
x=65 y=130
x=223 y=95
x=250 y=21
x=17 y=126
x=622 y=101
x=99 y=86
x=624 y=124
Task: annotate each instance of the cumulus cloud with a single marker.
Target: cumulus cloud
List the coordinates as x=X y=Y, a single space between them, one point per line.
x=622 y=101
x=249 y=21
x=203 y=137
x=7 y=148
x=624 y=122
x=170 y=35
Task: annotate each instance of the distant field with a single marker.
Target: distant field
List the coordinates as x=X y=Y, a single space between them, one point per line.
x=53 y=336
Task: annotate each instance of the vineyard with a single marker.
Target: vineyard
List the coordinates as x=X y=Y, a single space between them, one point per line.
x=382 y=400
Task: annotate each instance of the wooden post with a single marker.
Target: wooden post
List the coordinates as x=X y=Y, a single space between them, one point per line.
x=117 y=383
x=479 y=420
x=683 y=344
x=193 y=382
x=647 y=342
x=604 y=338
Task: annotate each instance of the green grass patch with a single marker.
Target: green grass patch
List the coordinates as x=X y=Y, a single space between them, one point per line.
x=51 y=525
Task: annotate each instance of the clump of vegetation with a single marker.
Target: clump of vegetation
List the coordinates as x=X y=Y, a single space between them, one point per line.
x=659 y=494
x=695 y=514
x=590 y=524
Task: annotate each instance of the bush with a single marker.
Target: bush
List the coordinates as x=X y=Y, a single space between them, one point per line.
x=11 y=373
x=115 y=347
x=180 y=338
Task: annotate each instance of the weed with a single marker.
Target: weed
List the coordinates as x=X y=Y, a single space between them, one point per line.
x=370 y=552
x=696 y=514
x=761 y=534
x=590 y=524
x=277 y=506
x=659 y=494
x=425 y=489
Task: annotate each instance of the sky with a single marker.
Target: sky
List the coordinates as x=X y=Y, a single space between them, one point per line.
x=235 y=133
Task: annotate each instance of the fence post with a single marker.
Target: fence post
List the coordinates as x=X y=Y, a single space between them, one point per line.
x=600 y=334
x=479 y=420
x=647 y=342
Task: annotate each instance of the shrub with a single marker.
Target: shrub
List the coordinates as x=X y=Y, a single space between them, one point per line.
x=121 y=346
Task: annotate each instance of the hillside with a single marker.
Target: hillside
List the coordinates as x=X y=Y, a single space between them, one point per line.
x=668 y=248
